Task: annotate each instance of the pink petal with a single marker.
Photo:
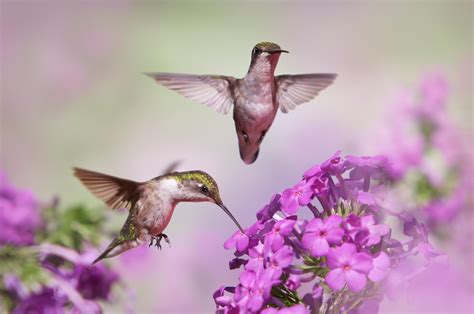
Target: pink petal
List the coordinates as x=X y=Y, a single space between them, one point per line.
x=366 y=198
x=380 y=230
x=381 y=266
x=345 y=253
x=334 y=236
x=247 y=278
x=367 y=221
x=320 y=247
x=230 y=243
x=355 y=280
x=242 y=243
x=314 y=225
x=335 y=279
x=255 y=303
x=373 y=239
x=362 y=262
x=290 y=206
x=295 y=309
x=333 y=221
x=305 y=198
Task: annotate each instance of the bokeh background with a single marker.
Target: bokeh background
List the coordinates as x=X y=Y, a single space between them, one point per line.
x=73 y=94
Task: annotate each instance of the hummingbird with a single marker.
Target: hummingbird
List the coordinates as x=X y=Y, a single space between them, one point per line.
x=150 y=203
x=255 y=98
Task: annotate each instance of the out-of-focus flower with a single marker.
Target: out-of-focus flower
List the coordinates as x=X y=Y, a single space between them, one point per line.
x=48 y=277
x=94 y=281
x=345 y=252
x=381 y=266
x=48 y=300
x=19 y=215
x=430 y=154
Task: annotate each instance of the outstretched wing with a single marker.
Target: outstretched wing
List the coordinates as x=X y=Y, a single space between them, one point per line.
x=211 y=90
x=117 y=193
x=293 y=90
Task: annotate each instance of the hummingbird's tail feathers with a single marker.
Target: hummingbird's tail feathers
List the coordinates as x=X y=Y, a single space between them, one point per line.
x=294 y=90
x=117 y=193
x=214 y=91
x=107 y=253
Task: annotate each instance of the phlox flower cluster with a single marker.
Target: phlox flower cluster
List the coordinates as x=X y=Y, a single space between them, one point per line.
x=340 y=259
x=44 y=277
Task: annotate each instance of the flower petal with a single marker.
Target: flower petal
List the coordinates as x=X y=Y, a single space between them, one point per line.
x=320 y=247
x=334 y=236
x=335 y=279
x=355 y=280
x=381 y=266
x=362 y=262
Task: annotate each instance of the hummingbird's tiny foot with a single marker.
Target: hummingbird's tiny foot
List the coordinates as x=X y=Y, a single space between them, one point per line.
x=158 y=239
x=167 y=239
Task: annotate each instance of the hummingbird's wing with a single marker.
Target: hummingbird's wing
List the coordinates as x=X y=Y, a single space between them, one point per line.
x=172 y=167
x=117 y=193
x=294 y=90
x=211 y=90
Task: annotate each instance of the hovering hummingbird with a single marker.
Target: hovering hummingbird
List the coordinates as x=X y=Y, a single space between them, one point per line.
x=256 y=97
x=150 y=204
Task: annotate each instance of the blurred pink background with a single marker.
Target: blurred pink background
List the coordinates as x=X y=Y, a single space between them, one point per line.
x=73 y=94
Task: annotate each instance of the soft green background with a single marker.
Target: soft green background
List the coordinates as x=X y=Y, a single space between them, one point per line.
x=72 y=94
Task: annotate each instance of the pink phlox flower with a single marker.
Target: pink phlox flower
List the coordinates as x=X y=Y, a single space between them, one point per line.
x=364 y=231
x=298 y=195
x=281 y=229
x=238 y=240
x=335 y=165
x=270 y=209
x=320 y=234
x=348 y=267
x=254 y=289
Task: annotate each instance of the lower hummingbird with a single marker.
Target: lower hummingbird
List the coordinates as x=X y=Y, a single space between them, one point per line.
x=150 y=203
x=255 y=98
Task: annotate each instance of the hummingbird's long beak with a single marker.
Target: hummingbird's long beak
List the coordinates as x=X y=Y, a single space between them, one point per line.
x=221 y=205
x=280 y=51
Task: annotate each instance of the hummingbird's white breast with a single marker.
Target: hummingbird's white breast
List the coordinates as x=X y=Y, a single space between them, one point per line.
x=156 y=206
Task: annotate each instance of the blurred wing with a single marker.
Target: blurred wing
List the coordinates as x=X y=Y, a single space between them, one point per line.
x=293 y=90
x=117 y=193
x=172 y=167
x=211 y=90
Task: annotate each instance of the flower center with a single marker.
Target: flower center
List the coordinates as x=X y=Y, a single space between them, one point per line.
x=347 y=267
x=323 y=233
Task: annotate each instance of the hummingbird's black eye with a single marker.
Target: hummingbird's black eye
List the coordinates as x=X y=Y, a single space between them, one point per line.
x=204 y=189
x=256 y=51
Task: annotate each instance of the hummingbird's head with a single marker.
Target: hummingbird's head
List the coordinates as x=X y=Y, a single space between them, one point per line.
x=265 y=56
x=198 y=186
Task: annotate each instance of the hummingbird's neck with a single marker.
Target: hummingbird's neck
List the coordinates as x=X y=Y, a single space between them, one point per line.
x=262 y=70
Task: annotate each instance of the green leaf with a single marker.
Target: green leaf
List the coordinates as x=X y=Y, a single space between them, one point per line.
x=73 y=226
